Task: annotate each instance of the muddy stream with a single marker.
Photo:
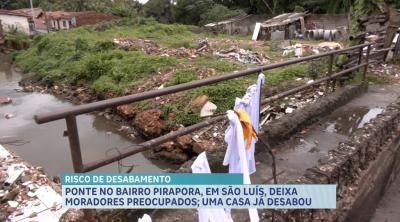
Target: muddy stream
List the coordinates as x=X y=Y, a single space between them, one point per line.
x=44 y=145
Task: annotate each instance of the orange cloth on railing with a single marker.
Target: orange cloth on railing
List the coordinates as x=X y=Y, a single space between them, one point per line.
x=248 y=130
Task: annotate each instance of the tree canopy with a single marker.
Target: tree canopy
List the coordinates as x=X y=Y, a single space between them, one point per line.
x=199 y=12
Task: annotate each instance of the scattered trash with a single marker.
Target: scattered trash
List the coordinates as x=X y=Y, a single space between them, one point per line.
x=289 y=110
x=13 y=173
x=145 y=218
x=5 y=100
x=152 y=48
x=208 y=109
x=242 y=55
x=9 y=115
x=27 y=191
x=13 y=204
x=330 y=46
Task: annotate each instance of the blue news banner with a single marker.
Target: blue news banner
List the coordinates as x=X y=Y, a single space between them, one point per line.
x=215 y=190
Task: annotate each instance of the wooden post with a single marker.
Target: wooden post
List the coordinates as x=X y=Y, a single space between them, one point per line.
x=303 y=26
x=397 y=47
x=330 y=69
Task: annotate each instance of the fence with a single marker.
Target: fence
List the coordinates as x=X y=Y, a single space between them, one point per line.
x=69 y=114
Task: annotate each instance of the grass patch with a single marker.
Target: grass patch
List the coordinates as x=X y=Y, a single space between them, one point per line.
x=371 y=78
x=275 y=77
x=182 y=76
x=61 y=59
x=220 y=65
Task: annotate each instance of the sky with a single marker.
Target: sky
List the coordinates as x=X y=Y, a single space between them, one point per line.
x=142 y=1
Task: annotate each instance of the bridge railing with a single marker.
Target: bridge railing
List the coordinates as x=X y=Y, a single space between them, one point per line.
x=70 y=113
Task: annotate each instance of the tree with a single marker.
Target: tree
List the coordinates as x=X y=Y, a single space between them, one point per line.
x=190 y=11
x=218 y=13
x=161 y=10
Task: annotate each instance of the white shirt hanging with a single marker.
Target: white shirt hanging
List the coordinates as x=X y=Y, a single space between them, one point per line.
x=235 y=155
x=200 y=165
x=251 y=104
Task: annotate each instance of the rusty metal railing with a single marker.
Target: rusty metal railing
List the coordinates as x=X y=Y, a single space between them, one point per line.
x=69 y=114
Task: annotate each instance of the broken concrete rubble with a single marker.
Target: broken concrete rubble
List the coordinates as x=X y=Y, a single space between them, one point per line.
x=151 y=47
x=27 y=194
x=150 y=124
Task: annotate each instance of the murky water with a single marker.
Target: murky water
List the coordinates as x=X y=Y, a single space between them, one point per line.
x=304 y=151
x=46 y=146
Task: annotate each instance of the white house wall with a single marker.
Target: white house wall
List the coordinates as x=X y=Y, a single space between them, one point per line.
x=11 y=21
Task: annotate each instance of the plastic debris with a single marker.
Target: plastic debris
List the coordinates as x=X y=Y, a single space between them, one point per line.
x=145 y=218
x=242 y=55
x=208 y=109
x=27 y=191
x=5 y=100
x=9 y=115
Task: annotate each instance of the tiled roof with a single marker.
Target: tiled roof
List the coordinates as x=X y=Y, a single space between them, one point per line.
x=28 y=11
x=8 y=12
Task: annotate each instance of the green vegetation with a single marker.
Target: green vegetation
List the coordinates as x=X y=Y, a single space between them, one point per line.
x=86 y=57
x=16 y=37
x=371 y=78
x=182 y=76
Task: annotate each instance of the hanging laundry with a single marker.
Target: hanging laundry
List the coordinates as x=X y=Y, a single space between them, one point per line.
x=235 y=155
x=145 y=218
x=201 y=165
x=248 y=130
x=251 y=104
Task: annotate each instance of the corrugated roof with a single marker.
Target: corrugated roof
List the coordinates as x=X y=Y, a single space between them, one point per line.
x=234 y=19
x=283 y=19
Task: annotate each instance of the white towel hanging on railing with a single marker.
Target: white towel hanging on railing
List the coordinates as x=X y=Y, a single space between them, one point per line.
x=251 y=104
x=235 y=155
x=200 y=165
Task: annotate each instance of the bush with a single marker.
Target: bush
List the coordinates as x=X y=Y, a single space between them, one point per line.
x=16 y=37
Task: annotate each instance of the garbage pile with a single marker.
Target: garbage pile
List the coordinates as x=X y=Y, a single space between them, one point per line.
x=26 y=194
x=300 y=50
x=291 y=103
x=152 y=48
x=384 y=69
x=242 y=55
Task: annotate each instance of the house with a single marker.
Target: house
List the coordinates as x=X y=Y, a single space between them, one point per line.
x=60 y=20
x=320 y=26
x=242 y=24
x=17 y=21
x=38 y=17
x=283 y=26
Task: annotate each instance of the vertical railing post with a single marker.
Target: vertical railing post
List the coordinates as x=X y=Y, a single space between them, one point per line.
x=397 y=48
x=364 y=77
x=330 y=69
x=75 y=147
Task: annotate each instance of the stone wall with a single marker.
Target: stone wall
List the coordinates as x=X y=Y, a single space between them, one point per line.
x=289 y=124
x=361 y=167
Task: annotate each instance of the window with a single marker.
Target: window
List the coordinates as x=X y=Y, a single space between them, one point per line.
x=64 y=23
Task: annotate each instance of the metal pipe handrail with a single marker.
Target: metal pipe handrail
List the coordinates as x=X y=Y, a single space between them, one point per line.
x=100 y=105
x=134 y=149
x=137 y=148
x=316 y=82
